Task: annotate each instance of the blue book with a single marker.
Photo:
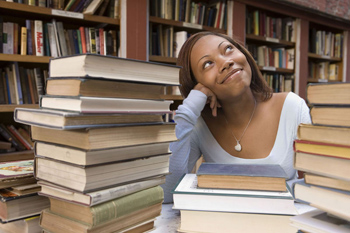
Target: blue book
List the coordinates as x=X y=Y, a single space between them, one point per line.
x=18 y=83
x=29 y=37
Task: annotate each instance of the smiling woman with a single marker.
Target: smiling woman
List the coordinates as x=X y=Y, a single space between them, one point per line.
x=230 y=114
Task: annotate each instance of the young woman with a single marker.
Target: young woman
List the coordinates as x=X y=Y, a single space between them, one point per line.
x=229 y=114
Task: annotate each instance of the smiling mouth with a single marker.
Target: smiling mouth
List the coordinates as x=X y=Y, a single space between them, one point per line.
x=231 y=73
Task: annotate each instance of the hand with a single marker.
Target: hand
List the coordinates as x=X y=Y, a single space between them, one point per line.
x=212 y=100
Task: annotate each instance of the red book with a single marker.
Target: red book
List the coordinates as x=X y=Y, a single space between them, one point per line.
x=102 y=41
x=19 y=137
x=83 y=39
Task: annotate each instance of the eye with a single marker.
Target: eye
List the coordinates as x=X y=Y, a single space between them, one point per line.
x=229 y=48
x=206 y=64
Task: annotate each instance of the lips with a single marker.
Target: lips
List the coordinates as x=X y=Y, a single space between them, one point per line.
x=231 y=73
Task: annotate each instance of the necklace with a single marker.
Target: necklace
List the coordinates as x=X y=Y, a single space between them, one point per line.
x=238 y=147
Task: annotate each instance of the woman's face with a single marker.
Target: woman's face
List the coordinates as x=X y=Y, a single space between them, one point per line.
x=220 y=66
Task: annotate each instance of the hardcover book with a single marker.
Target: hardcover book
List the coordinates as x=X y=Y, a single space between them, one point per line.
x=333 y=115
x=16 y=173
x=267 y=177
x=325 y=181
x=115 y=68
x=326 y=149
x=331 y=93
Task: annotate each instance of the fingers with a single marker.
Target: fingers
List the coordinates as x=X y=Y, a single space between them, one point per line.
x=211 y=98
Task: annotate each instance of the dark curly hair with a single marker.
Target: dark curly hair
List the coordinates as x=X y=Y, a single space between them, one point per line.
x=258 y=84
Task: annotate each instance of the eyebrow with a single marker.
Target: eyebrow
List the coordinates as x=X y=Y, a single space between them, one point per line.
x=208 y=55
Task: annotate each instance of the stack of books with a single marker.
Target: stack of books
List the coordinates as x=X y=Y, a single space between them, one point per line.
x=235 y=198
x=101 y=144
x=322 y=152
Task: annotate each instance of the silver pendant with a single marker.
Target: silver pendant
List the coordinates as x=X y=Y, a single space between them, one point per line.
x=238 y=147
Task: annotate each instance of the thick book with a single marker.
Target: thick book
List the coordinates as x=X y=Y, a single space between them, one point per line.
x=324 y=134
x=17 y=155
x=218 y=222
x=115 y=68
x=333 y=201
x=328 y=93
x=14 y=207
x=187 y=196
x=51 y=222
x=332 y=115
x=334 y=167
x=74 y=120
x=27 y=225
x=268 y=177
x=92 y=178
x=99 y=196
x=85 y=104
x=326 y=149
x=326 y=181
x=101 y=156
x=107 y=137
x=319 y=221
x=107 y=211
x=95 y=87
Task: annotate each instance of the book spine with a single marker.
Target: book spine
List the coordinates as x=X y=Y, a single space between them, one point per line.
x=38 y=31
x=5 y=133
x=18 y=85
x=15 y=132
x=23 y=41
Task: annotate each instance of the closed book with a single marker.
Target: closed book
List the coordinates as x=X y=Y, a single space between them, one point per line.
x=333 y=201
x=92 y=178
x=334 y=167
x=332 y=115
x=103 y=88
x=74 y=120
x=269 y=177
x=7 y=135
x=326 y=181
x=107 y=211
x=187 y=196
x=328 y=93
x=16 y=155
x=100 y=196
x=107 y=137
x=110 y=67
x=324 y=134
x=27 y=225
x=51 y=222
x=326 y=149
x=103 y=105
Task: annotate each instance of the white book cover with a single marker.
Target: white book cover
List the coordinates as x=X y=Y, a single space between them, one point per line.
x=38 y=32
x=52 y=40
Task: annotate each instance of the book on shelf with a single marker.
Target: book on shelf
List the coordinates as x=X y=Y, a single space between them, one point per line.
x=333 y=201
x=107 y=137
x=92 y=178
x=92 y=157
x=218 y=222
x=115 y=68
x=332 y=115
x=326 y=149
x=328 y=93
x=100 y=196
x=74 y=120
x=56 y=223
x=23 y=50
x=95 y=87
x=268 y=177
x=334 y=167
x=38 y=32
x=5 y=145
x=8 y=136
x=86 y=104
x=16 y=155
x=187 y=196
x=324 y=134
x=15 y=207
x=19 y=137
x=108 y=211
x=26 y=225
x=319 y=221
x=325 y=181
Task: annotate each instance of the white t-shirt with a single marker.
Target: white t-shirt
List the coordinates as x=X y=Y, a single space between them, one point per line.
x=195 y=139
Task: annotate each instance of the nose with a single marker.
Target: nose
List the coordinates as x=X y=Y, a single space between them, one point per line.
x=226 y=65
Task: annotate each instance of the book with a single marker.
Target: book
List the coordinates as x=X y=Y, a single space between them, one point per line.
x=38 y=32
x=334 y=167
x=94 y=87
x=107 y=211
x=27 y=225
x=85 y=104
x=107 y=137
x=267 y=177
x=92 y=7
x=99 y=196
x=324 y=134
x=15 y=172
x=333 y=201
x=17 y=155
x=74 y=120
x=14 y=207
x=92 y=178
x=333 y=115
x=218 y=222
x=19 y=137
x=325 y=181
x=110 y=67
x=7 y=135
x=55 y=223
x=5 y=145
x=326 y=149
x=23 y=44
x=187 y=196
x=25 y=189
x=319 y=221
x=93 y=157
x=328 y=93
